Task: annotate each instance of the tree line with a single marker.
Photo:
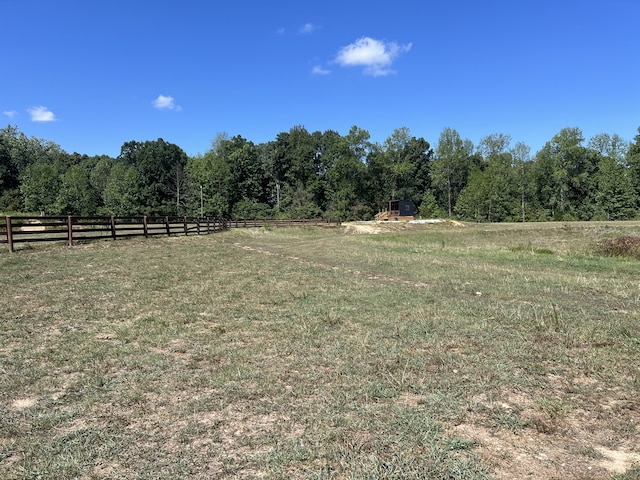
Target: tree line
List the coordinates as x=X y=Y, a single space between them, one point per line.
x=304 y=174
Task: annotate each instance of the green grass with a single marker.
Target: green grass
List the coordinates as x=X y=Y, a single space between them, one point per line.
x=485 y=351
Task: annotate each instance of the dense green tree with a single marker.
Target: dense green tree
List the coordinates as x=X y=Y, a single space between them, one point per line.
x=39 y=185
x=491 y=193
x=156 y=163
x=208 y=180
x=494 y=146
x=8 y=168
x=429 y=207
x=451 y=167
x=633 y=162
x=612 y=146
x=411 y=163
x=399 y=168
x=120 y=194
x=294 y=156
x=332 y=148
x=99 y=176
x=564 y=176
x=343 y=174
x=346 y=186
x=399 y=165
x=615 y=196
x=76 y=195
x=300 y=204
x=521 y=155
x=230 y=180
x=25 y=150
x=359 y=142
x=323 y=173
x=17 y=152
x=379 y=186
x=472 y=203
x=247 y=172
x=9 y=181
x=293 y=167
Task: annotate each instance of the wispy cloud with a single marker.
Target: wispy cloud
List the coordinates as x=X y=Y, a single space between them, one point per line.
x=166 y=103
x=10 y=113
x=280 y=31
x=308 y=28
x=41 y=114
x=376 y=56
x=319 y=70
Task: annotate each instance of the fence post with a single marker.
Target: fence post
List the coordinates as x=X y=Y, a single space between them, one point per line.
x=166 y=222
x=145 y=227
x=9 y=233
x=113 y=227
x=186 y=228
x=70 y=230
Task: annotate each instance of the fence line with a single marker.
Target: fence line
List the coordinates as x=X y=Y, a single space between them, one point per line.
x=71 y=228
x=278 y=222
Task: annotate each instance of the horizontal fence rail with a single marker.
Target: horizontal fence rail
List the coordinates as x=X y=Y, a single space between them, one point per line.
x=272 y=222
x=70 y=229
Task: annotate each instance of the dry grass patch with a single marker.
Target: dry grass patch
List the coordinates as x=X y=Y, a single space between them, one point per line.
x=428 y=352
x=625 y=246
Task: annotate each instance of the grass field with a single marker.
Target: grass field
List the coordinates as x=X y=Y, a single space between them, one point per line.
x=362 y=352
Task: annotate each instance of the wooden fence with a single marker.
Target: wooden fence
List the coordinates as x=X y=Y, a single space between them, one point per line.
x=273 y=222
x=70 y=229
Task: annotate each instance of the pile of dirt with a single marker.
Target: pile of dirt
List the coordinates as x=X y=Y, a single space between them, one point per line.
x=374 y=227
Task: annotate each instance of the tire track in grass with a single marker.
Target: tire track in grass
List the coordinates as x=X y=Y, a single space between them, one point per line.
x=335 y=268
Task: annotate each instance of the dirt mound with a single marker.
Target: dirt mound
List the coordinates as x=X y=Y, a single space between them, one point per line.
x=375 y=227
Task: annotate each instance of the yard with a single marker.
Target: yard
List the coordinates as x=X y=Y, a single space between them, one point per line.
x=388 y=351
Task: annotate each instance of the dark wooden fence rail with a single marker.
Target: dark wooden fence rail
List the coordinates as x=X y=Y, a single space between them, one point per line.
x=69 y=229
x=273 y=222
x=15 y=230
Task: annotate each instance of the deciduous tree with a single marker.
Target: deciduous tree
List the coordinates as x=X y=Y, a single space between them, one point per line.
x=451 y=167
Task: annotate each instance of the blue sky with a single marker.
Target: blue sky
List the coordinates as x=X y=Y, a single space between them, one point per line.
x=93 y=74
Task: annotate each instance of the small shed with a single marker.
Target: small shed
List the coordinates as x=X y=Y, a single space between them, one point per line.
x=397 y=210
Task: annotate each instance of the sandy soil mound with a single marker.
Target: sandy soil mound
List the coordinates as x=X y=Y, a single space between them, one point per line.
x=375 y=227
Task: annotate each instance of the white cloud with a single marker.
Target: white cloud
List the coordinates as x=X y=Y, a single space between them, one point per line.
x=10 y=113
x=41 y=114
x=307 y=28
x=318 y=70
x=375 y=56
x=166 y=103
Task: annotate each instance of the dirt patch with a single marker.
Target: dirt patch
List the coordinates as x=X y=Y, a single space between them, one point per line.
x=369 y=228
x=409 y=399
x=618 y=461
x=23 y=403
x=529 y=454
x=549 y=438
x=376 y=227
x=33 y=226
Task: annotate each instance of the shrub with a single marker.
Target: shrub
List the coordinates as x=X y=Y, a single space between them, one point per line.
x=626 y=246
